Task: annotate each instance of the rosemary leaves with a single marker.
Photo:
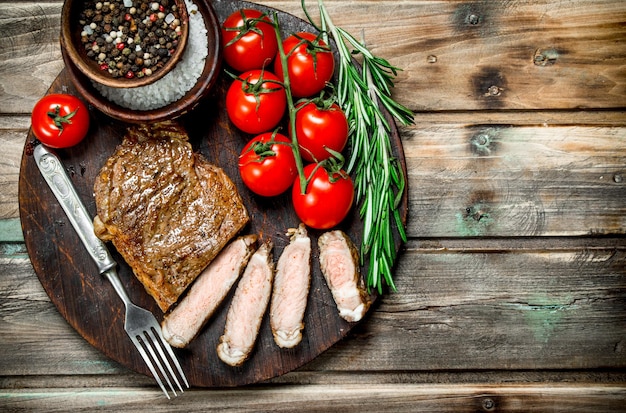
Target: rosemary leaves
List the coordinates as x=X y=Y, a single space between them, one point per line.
x=364 y=93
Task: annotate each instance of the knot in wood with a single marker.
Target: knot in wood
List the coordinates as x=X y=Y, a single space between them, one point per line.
x=488 y=404
x=481 y=144
x=494 y=90
x=473 y=19
x=545 y=57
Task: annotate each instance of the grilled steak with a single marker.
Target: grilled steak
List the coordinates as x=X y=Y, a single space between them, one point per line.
x=248 y=307
x=166 y=209
x=291 y=289
x=339 y=263
x=184 y=322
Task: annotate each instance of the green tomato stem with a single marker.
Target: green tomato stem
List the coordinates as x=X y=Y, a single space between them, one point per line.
x=60 y=121
x=295 y=147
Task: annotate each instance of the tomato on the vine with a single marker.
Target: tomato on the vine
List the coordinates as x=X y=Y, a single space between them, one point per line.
x=267 y=165
x=256 y=101
x=320 y=126
x=327 y=199
x=310 y=64
x=60 y=120
x=249 y=40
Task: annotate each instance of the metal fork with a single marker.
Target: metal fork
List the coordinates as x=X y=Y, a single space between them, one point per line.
x=140 y=324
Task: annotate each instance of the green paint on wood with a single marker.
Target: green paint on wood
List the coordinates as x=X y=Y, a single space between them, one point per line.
x=11 y=230
x=476 y=221
x=13 y=250
x=543 y=315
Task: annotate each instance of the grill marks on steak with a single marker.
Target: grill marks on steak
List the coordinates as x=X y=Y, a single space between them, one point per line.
x=167 y=210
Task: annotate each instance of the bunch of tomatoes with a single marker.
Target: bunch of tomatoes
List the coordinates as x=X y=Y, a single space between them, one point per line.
x=305 y=159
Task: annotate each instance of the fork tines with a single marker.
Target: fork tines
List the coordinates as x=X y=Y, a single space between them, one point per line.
x=153 y=348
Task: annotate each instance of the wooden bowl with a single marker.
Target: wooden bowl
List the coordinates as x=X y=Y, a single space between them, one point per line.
x=71 y=44
x=190 y=100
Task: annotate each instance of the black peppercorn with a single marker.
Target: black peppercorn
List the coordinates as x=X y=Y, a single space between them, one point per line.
x=107 y=38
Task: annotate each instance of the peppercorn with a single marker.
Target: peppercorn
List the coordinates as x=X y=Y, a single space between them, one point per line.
x=114 y=35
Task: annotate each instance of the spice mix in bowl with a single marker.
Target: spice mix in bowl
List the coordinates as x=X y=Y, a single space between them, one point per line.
x=178 y=91
x=124 y=43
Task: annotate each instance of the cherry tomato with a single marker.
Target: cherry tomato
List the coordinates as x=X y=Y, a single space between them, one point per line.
x=256 y=101
x=249 y=40
x=60 y=120
x=318 y=128
x=267 y=165
x=326 y=201
x=310 y=64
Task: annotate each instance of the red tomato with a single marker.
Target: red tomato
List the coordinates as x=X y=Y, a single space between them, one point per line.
x=60 y=120
x=249 y=40
x=318 y=128
x=254 y=103
x=310 y=64
x=267 y=165
x=325 y=203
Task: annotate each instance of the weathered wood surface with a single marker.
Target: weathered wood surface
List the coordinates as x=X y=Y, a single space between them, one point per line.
x=512 y=288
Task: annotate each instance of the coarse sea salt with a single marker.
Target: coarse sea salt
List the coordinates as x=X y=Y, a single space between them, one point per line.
x=174 y=85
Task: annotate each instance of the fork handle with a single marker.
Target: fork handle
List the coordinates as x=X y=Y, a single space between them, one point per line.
x=53 y=172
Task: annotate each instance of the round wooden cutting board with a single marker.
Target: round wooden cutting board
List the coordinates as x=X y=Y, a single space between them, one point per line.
x=88 y=302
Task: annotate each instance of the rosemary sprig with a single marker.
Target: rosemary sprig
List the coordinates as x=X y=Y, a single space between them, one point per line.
x=379 y=180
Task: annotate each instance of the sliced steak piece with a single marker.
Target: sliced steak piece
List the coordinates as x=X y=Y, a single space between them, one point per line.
x=339 y=263
x=248 y=307
x=166 y=209
x=184 y=322
x=291 y=290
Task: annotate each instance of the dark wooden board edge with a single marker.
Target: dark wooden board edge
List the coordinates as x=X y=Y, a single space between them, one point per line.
x=89 y=304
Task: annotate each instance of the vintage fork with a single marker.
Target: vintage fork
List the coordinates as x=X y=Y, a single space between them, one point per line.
x=140 y=324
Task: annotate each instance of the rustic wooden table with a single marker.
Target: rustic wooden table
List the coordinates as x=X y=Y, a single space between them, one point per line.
x=512 y=286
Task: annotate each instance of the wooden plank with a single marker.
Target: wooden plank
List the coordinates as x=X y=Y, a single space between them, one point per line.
x=455 y=55
x=459 y=55
x=473 y=180
x=12 y=144
x=38 y=339
x=345 y=398
x=300 y=377
x=457 y=309
x=524 y=310
x=31 y=32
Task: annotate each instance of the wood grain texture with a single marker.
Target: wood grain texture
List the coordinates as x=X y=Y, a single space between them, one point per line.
x=512 y=287
x=516 y=180
x=344 y=398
